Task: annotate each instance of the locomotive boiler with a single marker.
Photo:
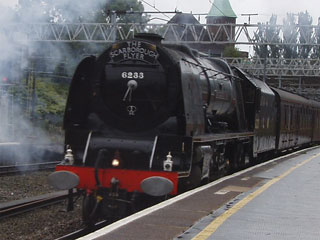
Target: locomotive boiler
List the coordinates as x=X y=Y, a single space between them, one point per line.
x=146 y=120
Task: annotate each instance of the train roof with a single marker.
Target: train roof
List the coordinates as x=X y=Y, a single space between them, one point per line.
x=260 y=84
x=291 y=97
x=315 y=104
x=257 y=83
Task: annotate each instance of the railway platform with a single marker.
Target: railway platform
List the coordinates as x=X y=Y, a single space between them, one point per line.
x=278 y=199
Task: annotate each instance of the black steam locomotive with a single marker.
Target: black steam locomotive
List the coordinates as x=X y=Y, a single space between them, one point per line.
x=147 y=120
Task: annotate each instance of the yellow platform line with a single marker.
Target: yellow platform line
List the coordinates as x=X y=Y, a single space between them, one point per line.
x=215 y=224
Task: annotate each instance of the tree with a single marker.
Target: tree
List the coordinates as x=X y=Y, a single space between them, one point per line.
x=261 y=50
x=316 y=49
x=231 y=51
x=59 y=10
x=305 y=34
x=124 y=11
x=290 y=35
x=272 y=35
x=268 y=33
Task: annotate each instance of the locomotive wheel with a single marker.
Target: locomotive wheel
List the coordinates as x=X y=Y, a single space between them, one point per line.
x=88 y=206
x=237 y=159
x=223 y=167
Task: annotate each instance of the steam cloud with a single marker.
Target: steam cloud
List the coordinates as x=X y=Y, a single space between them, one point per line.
x=14 y=59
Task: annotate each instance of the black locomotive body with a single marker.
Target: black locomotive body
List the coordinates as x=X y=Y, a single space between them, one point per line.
x=146 y=118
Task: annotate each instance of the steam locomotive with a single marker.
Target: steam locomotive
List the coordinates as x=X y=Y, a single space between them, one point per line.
x=146 y=120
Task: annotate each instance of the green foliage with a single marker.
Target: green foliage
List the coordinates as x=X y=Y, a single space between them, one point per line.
x=121 y=6
x=231 y=51
x=51 y=100
x=84 y=11
x=40 y=107
x=59 y=10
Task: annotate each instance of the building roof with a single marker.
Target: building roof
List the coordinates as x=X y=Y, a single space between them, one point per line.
x=184 y=18
x=221 y=8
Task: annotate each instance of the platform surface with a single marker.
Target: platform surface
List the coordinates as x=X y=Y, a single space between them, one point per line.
x=279 y=199
x=286 y=206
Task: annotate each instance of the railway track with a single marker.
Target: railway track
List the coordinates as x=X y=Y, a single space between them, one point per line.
x=84 y=231
x=22 y=206
x=16 y=169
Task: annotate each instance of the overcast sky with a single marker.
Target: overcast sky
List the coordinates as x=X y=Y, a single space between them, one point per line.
x=262 y=7
x=265 y=8
x=9 y=3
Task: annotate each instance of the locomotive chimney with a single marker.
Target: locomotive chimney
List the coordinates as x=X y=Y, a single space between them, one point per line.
x=152 y=37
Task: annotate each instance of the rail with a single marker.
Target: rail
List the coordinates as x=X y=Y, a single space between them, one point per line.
x=16 y=169
x=84 y=231
x=23 y=206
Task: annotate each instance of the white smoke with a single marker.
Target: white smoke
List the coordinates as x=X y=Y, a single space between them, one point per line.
x=15 y=54
x=59 y=10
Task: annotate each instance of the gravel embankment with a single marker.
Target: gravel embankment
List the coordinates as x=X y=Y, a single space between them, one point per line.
x=24 y=186
x=46 y=223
